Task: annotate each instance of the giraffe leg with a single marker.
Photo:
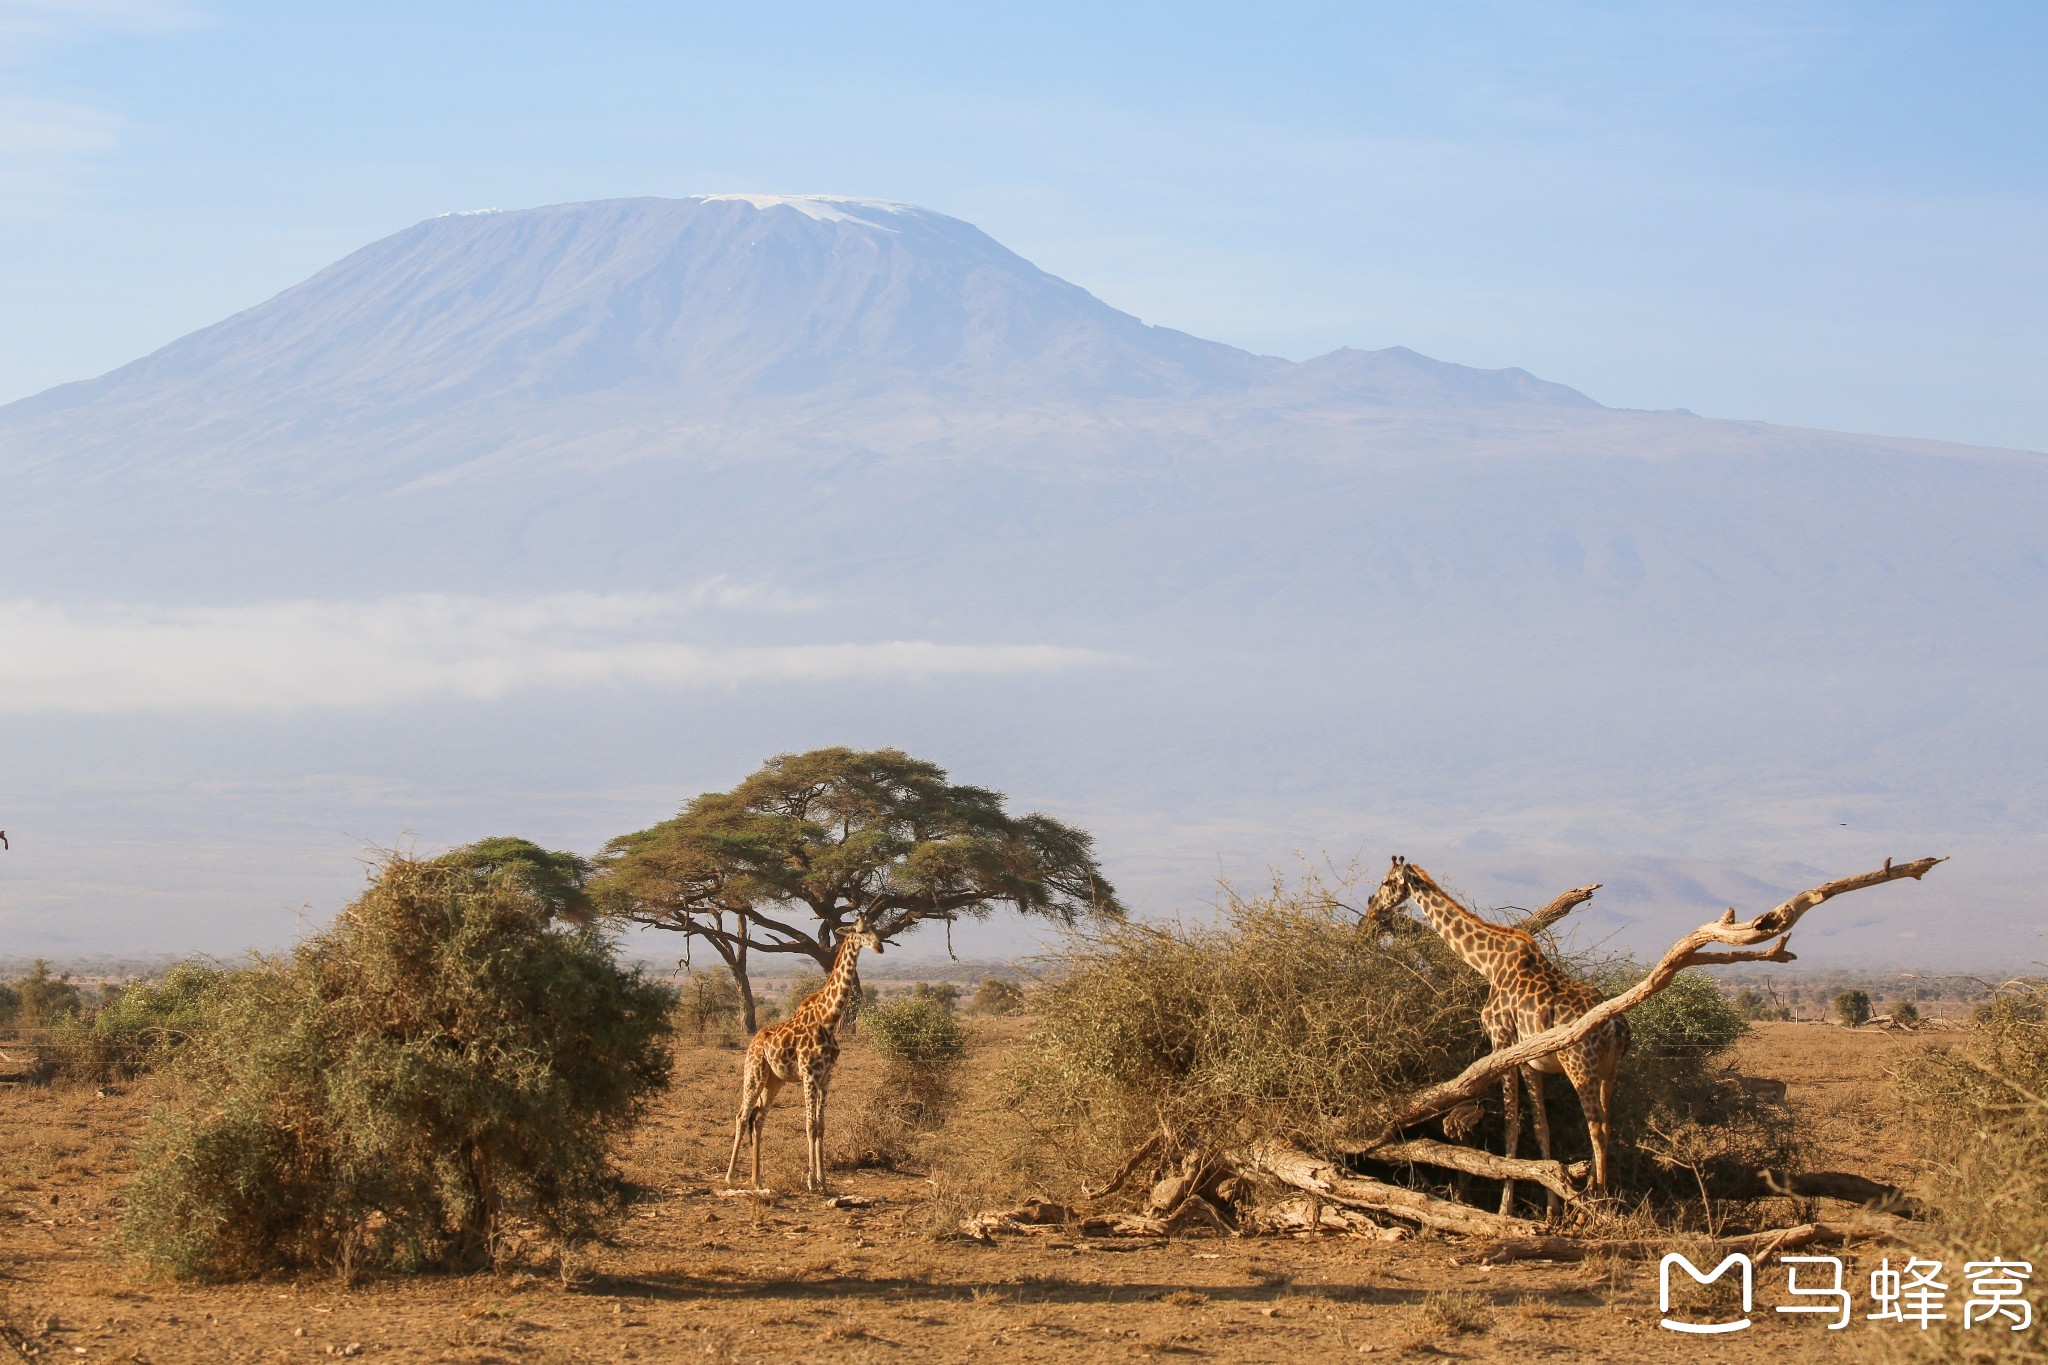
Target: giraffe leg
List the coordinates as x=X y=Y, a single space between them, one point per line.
x=749 y=1084
x=815 y=1083
x=1540 y=1116
x=760 y=1122
x=1597 y=1097
x=770 y=1087
x=1511 y=1101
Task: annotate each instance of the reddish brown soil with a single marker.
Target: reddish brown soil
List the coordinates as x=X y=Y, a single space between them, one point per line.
x=693 y=1276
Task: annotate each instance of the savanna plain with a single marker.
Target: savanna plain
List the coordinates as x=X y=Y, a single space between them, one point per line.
x=688 y=1274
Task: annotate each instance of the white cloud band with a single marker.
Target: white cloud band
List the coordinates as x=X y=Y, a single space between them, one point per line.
x=286 y=656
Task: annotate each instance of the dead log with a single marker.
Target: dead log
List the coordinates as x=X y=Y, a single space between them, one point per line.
x=1853 y=1189
x=1757 y=1245
x=1691 y=951
x=1292 y=1166
x=1552 y=1175
x=1563 y=904
x=1308 y=1213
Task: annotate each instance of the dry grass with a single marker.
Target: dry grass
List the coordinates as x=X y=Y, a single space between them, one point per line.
x=1982 y=1108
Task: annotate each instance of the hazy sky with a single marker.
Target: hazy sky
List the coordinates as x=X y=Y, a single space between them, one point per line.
x=1830 y=214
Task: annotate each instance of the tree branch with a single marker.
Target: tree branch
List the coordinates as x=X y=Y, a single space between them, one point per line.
x=1552 y=1175
x=1689 y=951
x=1292 y=1166
x=1563 y=904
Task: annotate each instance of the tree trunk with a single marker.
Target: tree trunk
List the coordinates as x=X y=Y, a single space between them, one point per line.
x=1292 y=1166
x=738 y=964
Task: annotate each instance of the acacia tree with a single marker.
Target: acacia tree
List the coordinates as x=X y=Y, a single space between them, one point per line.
x=787 y=859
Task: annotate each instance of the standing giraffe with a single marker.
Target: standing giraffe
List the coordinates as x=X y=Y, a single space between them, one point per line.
x=1529 y=994
x=804 y=1048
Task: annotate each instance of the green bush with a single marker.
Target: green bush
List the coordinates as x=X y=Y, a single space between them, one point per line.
x=1853 y=1007
x=944 y=994
x=910 y=1028
x=42 y=999
x=1690 y=1017
x=1756 y=1009
x=1905 y=1012
x=444 y=1067
x=997 y=996
x=150 y=1019
x=10 y=1004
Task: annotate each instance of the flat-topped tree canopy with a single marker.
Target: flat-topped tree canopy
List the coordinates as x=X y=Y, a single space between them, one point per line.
x=786 y=860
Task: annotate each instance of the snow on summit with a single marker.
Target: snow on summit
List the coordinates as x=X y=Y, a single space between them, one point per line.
x=826 y=208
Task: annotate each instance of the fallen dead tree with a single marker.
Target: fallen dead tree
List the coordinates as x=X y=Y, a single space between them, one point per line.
x=1324 y=1180
x=1554 y=1176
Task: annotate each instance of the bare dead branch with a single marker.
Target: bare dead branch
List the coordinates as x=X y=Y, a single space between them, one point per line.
x=1690 y=951
x=1552 y=1175
x=1843 y=1185
x=1128 y=1169
x=1563 y=904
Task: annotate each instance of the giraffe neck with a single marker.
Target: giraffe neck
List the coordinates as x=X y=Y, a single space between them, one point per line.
x=839 y=984
x=1470 y=937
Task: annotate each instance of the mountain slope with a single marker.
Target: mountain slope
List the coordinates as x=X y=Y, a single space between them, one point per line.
x=645 y=327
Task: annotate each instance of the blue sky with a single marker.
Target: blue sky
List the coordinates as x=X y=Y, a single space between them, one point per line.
x=1816 y=213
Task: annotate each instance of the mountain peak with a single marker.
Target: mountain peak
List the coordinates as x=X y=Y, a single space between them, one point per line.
x=595 y=333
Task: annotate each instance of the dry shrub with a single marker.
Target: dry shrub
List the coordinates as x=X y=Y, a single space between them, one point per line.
x=1286 y=1018
x=1982 y=1108
x=1450 y=1313
x=443 y=1063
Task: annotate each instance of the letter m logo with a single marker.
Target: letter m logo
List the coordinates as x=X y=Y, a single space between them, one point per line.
x=1707 y=1277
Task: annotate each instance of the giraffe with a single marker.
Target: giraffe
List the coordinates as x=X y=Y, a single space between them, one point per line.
x=1529 y=994
x=803 y=1048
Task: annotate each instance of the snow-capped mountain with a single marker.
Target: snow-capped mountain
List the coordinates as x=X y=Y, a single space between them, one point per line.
x=1362 y=600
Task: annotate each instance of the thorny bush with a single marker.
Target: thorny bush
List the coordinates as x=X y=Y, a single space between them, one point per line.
x=445 y=1066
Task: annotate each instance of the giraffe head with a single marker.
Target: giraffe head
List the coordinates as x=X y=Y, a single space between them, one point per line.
x=1395 y=888
x=860 y=932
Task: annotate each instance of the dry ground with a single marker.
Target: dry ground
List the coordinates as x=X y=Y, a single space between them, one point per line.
x=693 y=1276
